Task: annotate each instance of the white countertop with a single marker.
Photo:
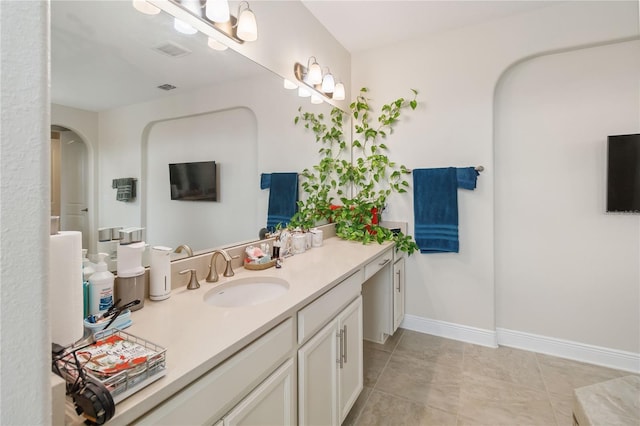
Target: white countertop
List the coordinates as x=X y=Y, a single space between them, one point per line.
x=199 y=336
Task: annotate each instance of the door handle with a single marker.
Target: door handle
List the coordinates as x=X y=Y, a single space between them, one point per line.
x=340 y=359
x=86 y=209
x=344 y=344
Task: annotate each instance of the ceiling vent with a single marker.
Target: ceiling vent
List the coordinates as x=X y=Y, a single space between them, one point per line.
x=172 y=49
x=167 y=87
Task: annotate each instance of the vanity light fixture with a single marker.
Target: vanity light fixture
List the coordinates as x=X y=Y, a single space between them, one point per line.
x=303 y=92
x=323 y=84
x=288 y=84
x=338 y=92
x=316 y=99
x=247 y=26
x=189 y=18
x=328 y=83
x=314 y=72
x=216 y=45
x=182 y=26
x=218 y=10
x=145 y=7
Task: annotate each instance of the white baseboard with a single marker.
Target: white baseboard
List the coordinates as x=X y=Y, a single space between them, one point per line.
x=607 y=357
x=464 y=333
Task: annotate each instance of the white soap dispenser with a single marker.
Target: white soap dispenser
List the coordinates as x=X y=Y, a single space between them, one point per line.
x=160 y=273
x=100 y=287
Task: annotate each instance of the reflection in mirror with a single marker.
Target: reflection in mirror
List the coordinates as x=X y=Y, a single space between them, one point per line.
x=224 y=108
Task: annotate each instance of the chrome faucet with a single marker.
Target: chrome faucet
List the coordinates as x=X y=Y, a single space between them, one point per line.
x=213 y=273
x=184 y=248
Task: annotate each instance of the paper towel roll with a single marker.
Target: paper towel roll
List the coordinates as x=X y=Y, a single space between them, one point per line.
x=65 y=287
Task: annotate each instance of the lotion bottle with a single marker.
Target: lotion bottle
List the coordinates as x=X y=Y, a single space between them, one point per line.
x=100 y=287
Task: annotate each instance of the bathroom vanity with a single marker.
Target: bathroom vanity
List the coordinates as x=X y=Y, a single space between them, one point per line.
x=295 y=359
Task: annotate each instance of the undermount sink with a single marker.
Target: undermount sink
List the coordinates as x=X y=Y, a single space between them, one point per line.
x=247 y=291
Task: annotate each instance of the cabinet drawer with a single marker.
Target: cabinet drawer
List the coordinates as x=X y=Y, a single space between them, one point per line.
x=208 y=398
x=378 y=263
x=313 y=316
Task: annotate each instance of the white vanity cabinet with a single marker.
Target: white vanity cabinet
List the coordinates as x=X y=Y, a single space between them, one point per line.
x=330 y=360
x=271 y=403
x=383 y=295
x=257 y=379
x=377 y=297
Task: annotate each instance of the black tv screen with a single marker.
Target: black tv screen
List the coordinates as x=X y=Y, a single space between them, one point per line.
x=194 y=181
x=623 y=173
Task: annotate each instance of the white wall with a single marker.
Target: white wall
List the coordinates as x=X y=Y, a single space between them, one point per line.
x=227 y=137
x=564 y=268
x=456 y=74
x=25 y=395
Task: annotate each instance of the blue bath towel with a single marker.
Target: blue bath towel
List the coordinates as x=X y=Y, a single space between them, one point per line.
x=435 y=210
x=265 y=180
x=283 y=198
x=467 y=177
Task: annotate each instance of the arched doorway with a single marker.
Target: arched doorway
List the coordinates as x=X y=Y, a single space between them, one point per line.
x=69 y=181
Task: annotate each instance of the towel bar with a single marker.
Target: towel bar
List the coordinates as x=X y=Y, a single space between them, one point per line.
x=478 y=168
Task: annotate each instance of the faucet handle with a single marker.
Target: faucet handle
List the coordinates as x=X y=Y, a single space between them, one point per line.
x=228 y=270
x=193 y=280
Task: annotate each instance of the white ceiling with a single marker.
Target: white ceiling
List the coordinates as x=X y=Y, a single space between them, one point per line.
x=102 y=53
x=364 y=24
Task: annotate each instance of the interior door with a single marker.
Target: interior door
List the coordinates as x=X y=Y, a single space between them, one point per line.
x=55 y=173
x=73 y=183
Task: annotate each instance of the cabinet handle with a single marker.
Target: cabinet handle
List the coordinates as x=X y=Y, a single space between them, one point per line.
x=340 y=349
x=344 y=344
x=398 y=288
x=384 y=262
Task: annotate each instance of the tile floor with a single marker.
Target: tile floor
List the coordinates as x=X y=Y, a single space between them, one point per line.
x=419 y=379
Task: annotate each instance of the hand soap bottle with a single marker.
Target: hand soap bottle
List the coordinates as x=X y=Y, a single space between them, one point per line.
x=100 y=287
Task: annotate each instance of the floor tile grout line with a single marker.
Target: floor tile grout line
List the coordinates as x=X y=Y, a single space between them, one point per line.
x=546 y=388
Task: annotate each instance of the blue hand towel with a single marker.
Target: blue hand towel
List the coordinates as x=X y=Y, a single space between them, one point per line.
x=435 y=209
x=283 y=198
x=467 y=177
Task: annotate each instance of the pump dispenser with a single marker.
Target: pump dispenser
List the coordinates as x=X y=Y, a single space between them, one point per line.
x=100 y=287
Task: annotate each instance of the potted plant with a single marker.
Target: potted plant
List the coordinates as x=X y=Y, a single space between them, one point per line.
x=361 y=185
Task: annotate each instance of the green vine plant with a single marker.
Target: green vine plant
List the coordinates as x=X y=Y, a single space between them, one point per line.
x=360 y=186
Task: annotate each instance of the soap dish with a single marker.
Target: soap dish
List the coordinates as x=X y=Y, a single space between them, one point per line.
x=260 y=266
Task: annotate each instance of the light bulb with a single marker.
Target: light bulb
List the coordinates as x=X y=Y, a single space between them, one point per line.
x=218 y=10
x=316 y=99
x=183 y=27
x=247 y=26
x=303 y=92
x=338 y=92
x=314 y=73
x=328 y=83
x=145 y=7
x=288 y=84
x=216 y=45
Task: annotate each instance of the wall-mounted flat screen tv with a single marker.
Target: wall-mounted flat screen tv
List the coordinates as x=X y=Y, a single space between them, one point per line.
x=196 y=181
x=623 y=173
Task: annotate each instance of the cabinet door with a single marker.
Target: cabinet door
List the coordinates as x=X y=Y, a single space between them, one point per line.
x=317 y=378
x=398 y=293
x=350 y=356
x=271 y=403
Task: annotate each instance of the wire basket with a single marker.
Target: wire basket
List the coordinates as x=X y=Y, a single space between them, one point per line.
x=140 y=362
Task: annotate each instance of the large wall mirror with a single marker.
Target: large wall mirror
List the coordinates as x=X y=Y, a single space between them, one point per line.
x=107 y=63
